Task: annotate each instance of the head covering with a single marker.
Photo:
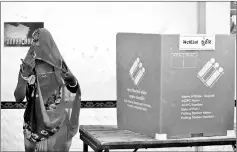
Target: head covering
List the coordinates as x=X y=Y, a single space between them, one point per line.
x=41 y=120
x=44 y=48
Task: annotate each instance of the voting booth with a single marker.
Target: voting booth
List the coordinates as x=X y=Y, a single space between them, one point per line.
x=175 y=86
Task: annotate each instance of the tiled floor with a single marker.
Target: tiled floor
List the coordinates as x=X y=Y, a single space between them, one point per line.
x=12 y=138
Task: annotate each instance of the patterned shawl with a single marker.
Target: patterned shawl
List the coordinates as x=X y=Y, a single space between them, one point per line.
x=40 y=120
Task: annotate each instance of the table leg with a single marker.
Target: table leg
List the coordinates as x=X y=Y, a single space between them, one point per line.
x=85 y=147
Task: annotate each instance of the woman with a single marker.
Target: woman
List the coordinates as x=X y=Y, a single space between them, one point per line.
x=42 y=77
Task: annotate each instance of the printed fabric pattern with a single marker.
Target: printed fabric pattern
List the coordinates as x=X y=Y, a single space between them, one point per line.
x=50 y=104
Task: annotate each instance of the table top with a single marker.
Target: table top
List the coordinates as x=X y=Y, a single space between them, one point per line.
x=111 y=137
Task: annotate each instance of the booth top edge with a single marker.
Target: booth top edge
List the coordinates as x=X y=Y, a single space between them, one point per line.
x=133 y=33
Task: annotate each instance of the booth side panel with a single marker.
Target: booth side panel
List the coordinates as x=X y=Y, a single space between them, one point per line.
x=138 y=82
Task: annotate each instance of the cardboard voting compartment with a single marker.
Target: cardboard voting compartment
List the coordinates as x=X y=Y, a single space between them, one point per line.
x=175 y=86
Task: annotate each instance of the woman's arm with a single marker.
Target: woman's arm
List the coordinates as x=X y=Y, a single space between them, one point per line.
x=74 y=120
x=74 y=87
x=20 y=91
x=70 y=81
x=26 y=69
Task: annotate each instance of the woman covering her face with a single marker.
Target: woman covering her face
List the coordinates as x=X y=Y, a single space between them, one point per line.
x=42 y=78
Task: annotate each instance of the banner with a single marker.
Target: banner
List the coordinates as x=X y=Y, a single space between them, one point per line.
x=19 y=34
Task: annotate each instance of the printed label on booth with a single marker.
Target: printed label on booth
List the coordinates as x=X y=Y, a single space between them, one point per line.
x=197 y=42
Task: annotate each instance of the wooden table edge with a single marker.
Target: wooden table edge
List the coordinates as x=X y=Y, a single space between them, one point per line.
x=184 y=142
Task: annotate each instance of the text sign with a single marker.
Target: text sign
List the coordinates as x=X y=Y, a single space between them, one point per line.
x=197 y=42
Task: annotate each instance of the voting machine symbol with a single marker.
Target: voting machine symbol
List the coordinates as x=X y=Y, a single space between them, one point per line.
x=210 y=73
x=137 y=72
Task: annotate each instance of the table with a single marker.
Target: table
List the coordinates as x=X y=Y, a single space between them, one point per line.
x=104 y=138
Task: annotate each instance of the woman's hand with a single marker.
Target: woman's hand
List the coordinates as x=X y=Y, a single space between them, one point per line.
x=27 y=68
x=69 y=78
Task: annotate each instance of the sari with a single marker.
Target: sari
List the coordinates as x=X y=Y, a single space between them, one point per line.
x=48 y=125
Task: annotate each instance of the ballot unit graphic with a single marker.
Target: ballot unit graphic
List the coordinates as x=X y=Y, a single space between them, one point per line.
x=210 y=73
x=137 y=72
